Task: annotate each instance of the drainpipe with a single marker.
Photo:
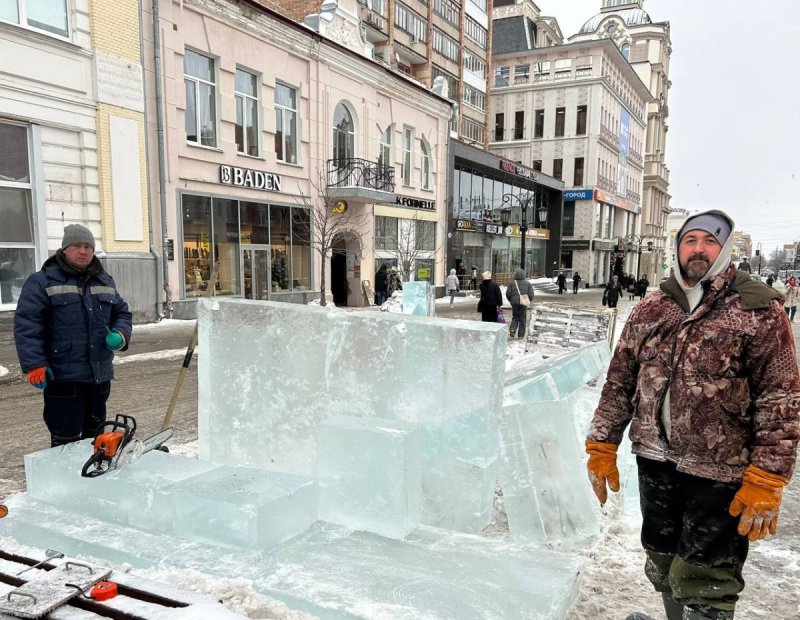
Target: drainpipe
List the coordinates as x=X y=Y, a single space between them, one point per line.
x=162 y=182
x=154 y=251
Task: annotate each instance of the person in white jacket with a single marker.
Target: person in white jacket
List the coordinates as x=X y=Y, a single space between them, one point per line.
x=451 y=284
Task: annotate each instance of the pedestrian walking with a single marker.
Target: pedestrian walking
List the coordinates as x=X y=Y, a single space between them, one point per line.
x=561 y=280
x=642 y=285
x=630 y=287
x=70 y=319
x=576 y=279
x=473 y=281
x=451 y=284
x=744 y=266
x=381 y=285
x=705 y=373
x=491 y=298
x=770 y=280
x=612 y=292
x=519 y=294
x=792 y=294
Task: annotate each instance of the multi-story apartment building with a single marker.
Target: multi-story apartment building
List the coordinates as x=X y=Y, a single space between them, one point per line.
x=577 y=112
x=426 y=39
x=73 y=141
x=268 y=125
x=647 y=46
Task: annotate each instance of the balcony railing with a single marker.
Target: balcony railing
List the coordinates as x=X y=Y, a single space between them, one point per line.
x=606 y=184
x=636 y=158
x=609 y=137
x=360 y=173
x=633 y=197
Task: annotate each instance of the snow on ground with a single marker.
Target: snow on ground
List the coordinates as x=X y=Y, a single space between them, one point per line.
x=3 y=371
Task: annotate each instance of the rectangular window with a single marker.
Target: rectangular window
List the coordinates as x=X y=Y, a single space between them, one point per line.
x=537 y=165
x=580 y=122
x=17 y=236
x=472 y=130
x=598 y=219
x=411 y=22
x=285 y=124
x=425 y=235
x=47 y=15
x=568 y=221
x=246 y=96
x=519 y=124
x=558 y=168
x=561 y=114
x=385 y=233
x=447 y=9
x=200 y=118
x=499 y=127
x=475 y=31
x=501 y=76
x=408 y=154
x=538 y=129
x=578 y=177
x=474 y=64
x=445 y=45
x=522 y=74
x=541 y=71
x=474 y=98
x=452 y=82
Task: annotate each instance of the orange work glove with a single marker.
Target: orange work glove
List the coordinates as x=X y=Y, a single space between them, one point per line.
x=38 y=377
x=758 y=501
x=602 y=468
x=3 y=511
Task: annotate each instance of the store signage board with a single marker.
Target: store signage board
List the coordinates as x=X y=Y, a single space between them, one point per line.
x=415 y=203
x=251 y=179
x=575 y=244
x=578 y=194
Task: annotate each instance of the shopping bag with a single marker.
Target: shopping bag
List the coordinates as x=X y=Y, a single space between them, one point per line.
x=524 y=300
x=500 y=316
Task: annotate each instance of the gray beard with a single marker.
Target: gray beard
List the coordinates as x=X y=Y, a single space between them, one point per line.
x=695 y=270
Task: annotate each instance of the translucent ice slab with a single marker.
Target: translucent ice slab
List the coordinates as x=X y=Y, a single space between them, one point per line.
x=337 y=573
x=417 y=299
x=138 y=494
x=369 y=474
x=244 y=506
x=270 y=373
x=543 y=477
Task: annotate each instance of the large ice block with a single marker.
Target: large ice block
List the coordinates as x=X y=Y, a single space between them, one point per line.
x=139 y=494
x=417 y=299
x=545 y=490
x=245 y=507
x=270 y=373
x=369 y=473
x=336 y=573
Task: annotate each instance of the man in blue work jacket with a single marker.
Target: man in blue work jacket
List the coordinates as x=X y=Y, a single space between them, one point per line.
x=70 y=319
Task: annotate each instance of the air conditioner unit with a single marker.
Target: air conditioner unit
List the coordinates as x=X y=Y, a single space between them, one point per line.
x=374 y=20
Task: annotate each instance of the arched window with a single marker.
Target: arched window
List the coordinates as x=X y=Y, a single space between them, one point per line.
x=626 y=51
x=425 y=165
x=343 y=134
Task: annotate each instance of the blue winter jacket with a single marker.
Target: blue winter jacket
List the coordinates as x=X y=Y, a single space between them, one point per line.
x=61 y=321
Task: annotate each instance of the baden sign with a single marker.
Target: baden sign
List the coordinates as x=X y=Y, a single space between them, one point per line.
x=252 y=179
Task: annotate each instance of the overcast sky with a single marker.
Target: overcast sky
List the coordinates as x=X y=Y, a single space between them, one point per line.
x=734 y=123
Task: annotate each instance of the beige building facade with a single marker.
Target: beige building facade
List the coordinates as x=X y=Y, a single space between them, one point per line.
x=648 y=47
x=268 y=126
x=577 y=112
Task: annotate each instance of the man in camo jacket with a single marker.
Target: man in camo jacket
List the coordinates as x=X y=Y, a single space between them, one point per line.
x=705 y=373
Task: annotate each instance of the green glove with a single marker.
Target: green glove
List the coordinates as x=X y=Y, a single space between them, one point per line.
x=114 y=340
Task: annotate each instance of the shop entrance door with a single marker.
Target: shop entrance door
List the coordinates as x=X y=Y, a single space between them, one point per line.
x=255 y=272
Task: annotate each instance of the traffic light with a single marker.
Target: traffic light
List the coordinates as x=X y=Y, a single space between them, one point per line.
x=758 y=252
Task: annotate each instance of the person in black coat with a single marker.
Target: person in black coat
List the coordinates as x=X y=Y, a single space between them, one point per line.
x=519 y=313
x=491 y=298
x=576 y=280
x=642 y=286
x=562 y=283
x=381 y=285
x=612 y=292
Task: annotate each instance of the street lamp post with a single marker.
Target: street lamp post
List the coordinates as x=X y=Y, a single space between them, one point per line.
x=523 y=202
x=758 y=253
x=639 y=239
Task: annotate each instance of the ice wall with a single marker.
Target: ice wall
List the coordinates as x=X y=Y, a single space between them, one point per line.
x=270 y=373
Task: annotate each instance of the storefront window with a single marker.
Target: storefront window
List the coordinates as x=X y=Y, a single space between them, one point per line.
x=424 y=270
x=196 y=211
x=465 y=194
x=598 y=221
x=301 y=249
x=425 y=235
x=254 y=223
x=226 y=245
x=279 y=237
x=385 y=233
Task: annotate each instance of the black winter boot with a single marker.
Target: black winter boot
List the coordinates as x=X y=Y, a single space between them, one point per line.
x=673 y=608
x=638 y=615
x=706 y=613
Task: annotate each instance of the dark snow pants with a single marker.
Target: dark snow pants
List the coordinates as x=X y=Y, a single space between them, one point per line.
x=73 y=410
x=519 y=319
x=693 y=548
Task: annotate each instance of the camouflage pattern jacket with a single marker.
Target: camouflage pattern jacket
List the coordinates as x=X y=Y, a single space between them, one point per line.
x=731 y=372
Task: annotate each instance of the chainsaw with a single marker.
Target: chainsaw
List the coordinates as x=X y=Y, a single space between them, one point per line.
x=115 y=446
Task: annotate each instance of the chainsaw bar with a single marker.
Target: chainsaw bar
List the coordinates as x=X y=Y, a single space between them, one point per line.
x=134 y=449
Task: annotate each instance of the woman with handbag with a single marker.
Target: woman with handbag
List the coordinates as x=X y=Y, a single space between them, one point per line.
x=520 y=294
x=491 y=298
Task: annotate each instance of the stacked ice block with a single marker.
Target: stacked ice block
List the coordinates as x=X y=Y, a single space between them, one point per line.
x=271 y=373
x=418 y=299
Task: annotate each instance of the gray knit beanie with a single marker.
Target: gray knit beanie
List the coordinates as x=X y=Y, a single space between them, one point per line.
x=714 y=223
x=75 y=234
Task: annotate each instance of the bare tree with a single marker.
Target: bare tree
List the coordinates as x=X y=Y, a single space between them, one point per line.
x=416 y=240
x=328 y=219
